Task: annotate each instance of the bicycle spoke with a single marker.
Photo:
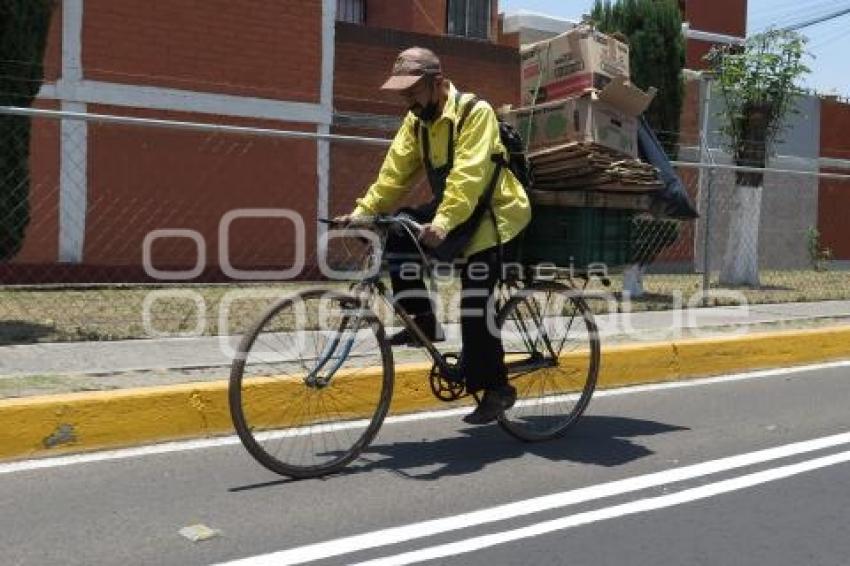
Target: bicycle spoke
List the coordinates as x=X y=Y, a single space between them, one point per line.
x=320 y=423
x=569 y=326
x=547 y=402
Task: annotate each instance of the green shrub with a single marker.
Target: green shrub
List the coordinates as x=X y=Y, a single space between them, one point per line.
x=24 y=26
x=653 y=29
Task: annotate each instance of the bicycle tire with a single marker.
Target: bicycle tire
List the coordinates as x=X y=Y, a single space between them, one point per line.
x=521 y=421
x=240 y=392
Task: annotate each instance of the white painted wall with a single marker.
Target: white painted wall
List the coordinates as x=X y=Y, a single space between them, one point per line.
x=323 y=158
x=73 y=144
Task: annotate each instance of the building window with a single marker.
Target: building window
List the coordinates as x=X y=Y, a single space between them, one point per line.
x=469 y=18
x=351 y=11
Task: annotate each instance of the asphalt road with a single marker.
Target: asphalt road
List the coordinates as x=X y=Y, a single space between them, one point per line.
x=738 y=471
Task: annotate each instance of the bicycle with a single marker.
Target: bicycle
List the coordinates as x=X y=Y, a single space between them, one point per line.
x=312 y=380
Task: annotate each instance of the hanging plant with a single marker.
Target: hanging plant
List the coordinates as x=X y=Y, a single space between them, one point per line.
x=759 y=84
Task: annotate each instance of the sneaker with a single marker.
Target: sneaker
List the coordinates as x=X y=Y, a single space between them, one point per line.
x=428 y=324
x=492 y=405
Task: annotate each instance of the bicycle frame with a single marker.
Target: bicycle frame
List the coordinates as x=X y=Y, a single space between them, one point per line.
x=370 y=287
x=313 y=378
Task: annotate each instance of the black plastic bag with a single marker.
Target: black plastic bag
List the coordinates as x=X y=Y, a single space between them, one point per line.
x=672 y=201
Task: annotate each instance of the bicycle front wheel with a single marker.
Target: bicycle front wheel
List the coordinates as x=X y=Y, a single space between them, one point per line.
x=311 y=383
x=552 y=352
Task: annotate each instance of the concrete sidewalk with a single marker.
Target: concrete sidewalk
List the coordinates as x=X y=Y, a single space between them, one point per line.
x=210 y=352
x=75 y=366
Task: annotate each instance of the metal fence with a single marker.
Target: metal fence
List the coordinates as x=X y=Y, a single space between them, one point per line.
x=779 y=243
x=129 y=228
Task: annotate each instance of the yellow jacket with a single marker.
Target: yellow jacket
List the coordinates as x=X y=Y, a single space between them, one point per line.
x=469 y=178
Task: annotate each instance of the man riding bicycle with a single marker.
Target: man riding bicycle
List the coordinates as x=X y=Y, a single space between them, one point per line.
x=477 y=211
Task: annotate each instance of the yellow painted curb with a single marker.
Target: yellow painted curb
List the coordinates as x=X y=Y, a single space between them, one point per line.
x=57 y=424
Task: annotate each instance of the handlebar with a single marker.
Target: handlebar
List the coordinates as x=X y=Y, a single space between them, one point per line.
x=378 y=220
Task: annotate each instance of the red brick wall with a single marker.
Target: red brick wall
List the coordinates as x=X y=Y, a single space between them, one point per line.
x=42 y=234
x=695 y=51
x=260 y=48
x=718 y=16
x=143 y=179
x=423 y=16
x=364 y=58
x=727 y=17
x=389 y=14
x=429 y=16
x=833 y=204
x=689 y=123
x=835 y=123
x=53 y=53
x=834 y=195
x=420 y=16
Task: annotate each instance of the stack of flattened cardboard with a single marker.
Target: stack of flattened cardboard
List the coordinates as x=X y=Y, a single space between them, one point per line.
x=580 y=123
x=586 y=174
x=567 y=166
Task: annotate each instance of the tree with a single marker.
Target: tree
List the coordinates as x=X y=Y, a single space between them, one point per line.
x=759 y=85
x=653 y=29
x=24 y=25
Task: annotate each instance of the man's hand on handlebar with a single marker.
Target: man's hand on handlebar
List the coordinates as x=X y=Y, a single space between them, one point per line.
x=431 y=235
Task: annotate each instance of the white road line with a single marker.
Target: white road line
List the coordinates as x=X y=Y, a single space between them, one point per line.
x=433 y=527
x=615 y=512
x=170 y=447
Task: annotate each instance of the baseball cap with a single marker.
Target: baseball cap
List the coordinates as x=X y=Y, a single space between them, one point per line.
x=411 y=66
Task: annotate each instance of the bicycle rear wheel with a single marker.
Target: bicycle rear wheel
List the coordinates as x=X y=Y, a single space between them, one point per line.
x=311 y=383
x=552 y=352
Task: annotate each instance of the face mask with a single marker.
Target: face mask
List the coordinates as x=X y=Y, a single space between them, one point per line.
x=427 y=113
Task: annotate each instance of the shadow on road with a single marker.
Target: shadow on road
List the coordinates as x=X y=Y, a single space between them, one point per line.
x=597 y=440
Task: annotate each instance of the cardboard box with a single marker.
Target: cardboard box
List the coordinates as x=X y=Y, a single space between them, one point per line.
x=607 y=118
x=571 y=63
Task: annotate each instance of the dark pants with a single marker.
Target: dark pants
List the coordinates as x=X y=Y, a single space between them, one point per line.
x=483 y=357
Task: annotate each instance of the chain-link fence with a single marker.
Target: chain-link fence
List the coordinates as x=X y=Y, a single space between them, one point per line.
x=133 y=228
x=778 y=242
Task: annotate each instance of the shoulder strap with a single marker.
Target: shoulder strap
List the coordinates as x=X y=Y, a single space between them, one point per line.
x=487 y=198
x=466 y=111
